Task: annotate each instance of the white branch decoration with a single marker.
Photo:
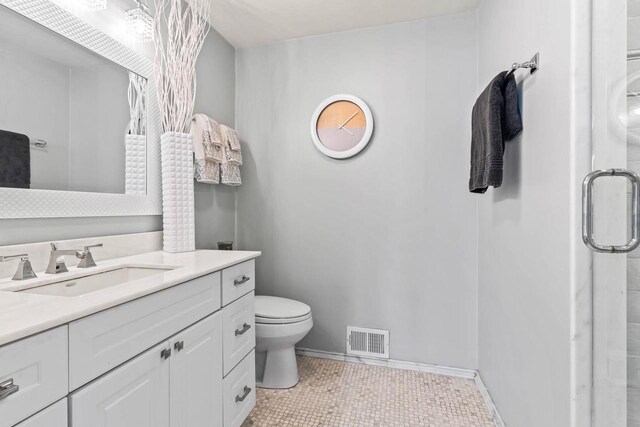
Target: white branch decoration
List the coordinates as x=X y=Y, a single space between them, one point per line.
x=137 y=104
x=180 y=29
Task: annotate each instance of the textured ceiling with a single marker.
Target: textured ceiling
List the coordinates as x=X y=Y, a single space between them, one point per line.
x=254 y=22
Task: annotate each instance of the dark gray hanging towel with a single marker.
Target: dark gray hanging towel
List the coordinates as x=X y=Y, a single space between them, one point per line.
x=15 y=160
x=495 y=119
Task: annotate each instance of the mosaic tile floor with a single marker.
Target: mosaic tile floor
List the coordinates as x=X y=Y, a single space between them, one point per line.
x=332 y=393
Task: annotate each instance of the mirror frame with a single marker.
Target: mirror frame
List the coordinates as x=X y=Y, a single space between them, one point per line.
x=34 y=203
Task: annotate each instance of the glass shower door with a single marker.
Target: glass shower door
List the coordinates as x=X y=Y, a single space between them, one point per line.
x=610 y=213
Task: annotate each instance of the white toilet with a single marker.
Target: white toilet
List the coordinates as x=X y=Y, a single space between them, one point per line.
x=280 y=324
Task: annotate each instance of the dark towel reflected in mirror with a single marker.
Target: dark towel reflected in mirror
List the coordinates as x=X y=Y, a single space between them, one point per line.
x=15 y=160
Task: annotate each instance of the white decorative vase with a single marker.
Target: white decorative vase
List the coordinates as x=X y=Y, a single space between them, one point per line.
x=135 y=164
x=177 y=192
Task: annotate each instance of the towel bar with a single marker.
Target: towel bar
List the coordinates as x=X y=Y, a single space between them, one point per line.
x=533 y=64
x=40 y=143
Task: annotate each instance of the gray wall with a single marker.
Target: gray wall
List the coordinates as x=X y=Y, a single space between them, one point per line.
x=386 y=239
x=524 y=227
x=98 y=119
x=215 y=205
x=25 y=76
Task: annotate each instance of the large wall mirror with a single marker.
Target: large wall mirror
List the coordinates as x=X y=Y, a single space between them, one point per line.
x=79 y=125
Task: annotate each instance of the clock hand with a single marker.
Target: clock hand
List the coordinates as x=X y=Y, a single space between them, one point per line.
x=346 y=130
x=348 y=120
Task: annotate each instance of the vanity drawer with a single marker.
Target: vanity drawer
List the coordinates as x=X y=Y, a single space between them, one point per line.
x=240 y=392
x=53 y=416
x=38 y=366
x=103 y=341
x=239 y=331
x=237 y=281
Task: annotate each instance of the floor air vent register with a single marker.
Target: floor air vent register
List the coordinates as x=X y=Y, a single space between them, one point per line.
x=368 y=342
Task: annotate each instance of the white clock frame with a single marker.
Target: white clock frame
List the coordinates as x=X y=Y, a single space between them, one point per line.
x=367 y=133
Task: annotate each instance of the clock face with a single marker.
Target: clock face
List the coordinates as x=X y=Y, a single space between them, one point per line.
x=341 y=126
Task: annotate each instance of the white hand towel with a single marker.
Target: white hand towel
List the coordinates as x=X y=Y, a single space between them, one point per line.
x=232 y=159
x=214 y=148
x=230 y=138
x=205 y=170
x=230 y=174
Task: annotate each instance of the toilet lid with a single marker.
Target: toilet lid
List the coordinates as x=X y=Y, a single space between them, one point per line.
x=276 y=308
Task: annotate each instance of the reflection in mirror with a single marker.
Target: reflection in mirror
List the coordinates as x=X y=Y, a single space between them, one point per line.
x=70 y=119
x=136 y=140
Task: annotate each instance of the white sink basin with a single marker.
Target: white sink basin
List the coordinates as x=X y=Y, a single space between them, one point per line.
x=95 y=282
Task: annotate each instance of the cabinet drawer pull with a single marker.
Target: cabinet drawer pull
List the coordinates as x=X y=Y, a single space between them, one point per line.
x=240 y=281
x=239 y=398
x=7 y=388
x=166 y=353
x=245 y=328
x=179 y=345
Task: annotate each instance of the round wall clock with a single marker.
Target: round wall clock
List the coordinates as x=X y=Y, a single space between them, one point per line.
x=341 y=126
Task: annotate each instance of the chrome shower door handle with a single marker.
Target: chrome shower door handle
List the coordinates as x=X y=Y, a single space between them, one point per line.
x=587 y=210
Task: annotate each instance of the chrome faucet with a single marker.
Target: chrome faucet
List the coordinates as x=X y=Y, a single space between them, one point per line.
x=88 y=261
x=24 y=271
x=56 y=259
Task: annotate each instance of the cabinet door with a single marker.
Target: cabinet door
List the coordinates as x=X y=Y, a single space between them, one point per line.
x=196 y=375
x=133 y=395
x=53 y=416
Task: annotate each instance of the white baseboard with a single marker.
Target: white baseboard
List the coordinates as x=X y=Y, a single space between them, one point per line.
x=488 y=400
x=469 y=374
x=390 y=363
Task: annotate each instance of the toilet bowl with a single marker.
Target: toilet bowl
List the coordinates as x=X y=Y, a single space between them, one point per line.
x=280 y=324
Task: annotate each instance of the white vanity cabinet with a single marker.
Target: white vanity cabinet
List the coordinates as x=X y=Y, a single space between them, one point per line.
x=176 y=383
x=179 y=357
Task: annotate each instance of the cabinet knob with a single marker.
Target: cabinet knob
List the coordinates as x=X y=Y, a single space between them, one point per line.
x=179 y=345
x=7 y=388
x=239 y=398
x=240 y=281
x=245 y=328
x=165 y=353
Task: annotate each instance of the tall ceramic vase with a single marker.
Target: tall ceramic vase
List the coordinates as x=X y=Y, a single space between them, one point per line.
x=177 y=192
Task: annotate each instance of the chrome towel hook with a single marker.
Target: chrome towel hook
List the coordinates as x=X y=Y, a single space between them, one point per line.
x=533 y=65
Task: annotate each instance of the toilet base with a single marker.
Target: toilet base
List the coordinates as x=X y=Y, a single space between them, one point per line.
x=277 y=368
x=276 y=364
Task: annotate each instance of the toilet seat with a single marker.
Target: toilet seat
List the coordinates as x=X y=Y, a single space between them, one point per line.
x=276 y=310
x=278 y=321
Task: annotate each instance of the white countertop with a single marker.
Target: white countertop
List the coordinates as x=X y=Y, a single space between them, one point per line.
x=24 y=314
